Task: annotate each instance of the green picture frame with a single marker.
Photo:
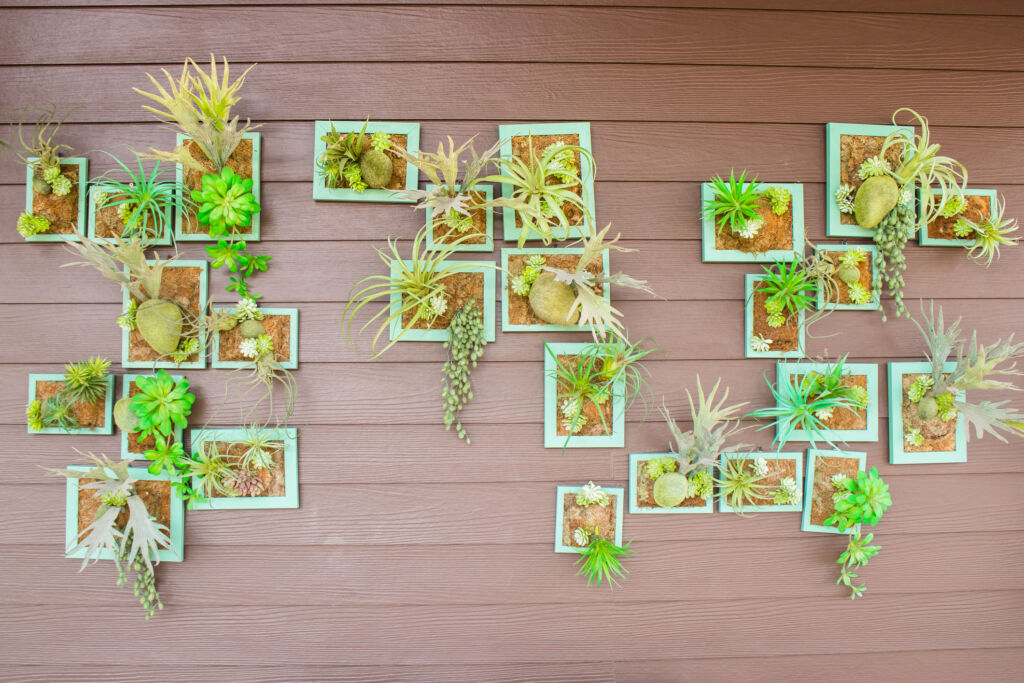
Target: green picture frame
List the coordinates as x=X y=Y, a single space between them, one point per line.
x=551 y=437
x=289 y=438
x=712 y=254
x=164 y=240
x=796 y=458
x=922 y=234
x=785 y=371
x=487 y=246
x=293 y=342
x=507 y=326
x=897 y=454
x=108 y=407
x=560 y=493
x=636 y=509
x=876 y=300
x=126 y=386
x=748 y=325
x=83 y=183
x=812 y=455
x=398 y=333
x=322 y=193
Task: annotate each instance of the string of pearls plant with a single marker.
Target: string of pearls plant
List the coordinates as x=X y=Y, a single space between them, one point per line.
x=465 y=345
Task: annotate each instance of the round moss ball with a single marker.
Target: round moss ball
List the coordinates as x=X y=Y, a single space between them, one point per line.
x=376 y=168
x=250 y=329
x=876 y=197
x=671 y=489
x=551 y=300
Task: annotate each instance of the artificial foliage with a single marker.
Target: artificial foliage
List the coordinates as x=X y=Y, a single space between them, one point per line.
x=225 y=202
x=161 y=404
x=465 y=345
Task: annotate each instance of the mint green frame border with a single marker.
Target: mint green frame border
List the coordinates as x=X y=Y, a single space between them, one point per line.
x=587 y=173
x=254 y=235
x=551 y=438
x=812 y=454
x=322 y=193
x=560 y=493
x=876 y=301
x=925 y=241
x=784 y=371
x=488 y=245
x=290 y=499
x=898 y=456
x=797 y=458
x=198 y=364
x=293 y=342
x=163 y=241
x=507 y=326
x=712 y=254
x=398 y=333
x=176 y=529
x=748 y=326
x=634 y=509
x=108 y=408
x=126 y=383
x=83 y=186
x=833 y=226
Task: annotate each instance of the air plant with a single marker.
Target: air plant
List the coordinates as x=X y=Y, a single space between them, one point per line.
x=740 y=484
x=601 y=559
x=142 y=199
x=734 y=202
x=789 y=288
x=260 y=445
x=56 y=411
x=989 y=233
x=265 y=373
x=203 y=475
x=39 y=151
x=86 y=381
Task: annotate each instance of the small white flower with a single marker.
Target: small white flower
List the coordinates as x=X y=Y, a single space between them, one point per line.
x=580 y=537
x=838 y=479
x=592 y=494
x=907 y=195
x=761 y=467
x=751 y=228
x=788 y=493
x=248 y=348
x=823 y=414
x=248 y=309
x=759 y=343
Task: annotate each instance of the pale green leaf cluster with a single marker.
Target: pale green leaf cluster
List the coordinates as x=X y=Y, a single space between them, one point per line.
x=465 y=345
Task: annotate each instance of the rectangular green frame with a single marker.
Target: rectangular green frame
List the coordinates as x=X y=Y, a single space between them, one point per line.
x=748 y=326
x=897 y=456
x=551 y=438
x=287 y=435
x=560 y=515
x=634 y=509
x=293 y=346
x=487 y=268
x=198 y=364
x=83 y=184
x=833 y=225
x=798 y=460
x=163 y=241
x=507 y=326
x=925 y=241
x=253 y=236
x=812 y=454
x=126 y=385
x=108 y=408
x=322 y=193
x=784 y=371
x=488 y=245
x=712 y=254
x=587 y=172
x=876 y=302
x=176 y=529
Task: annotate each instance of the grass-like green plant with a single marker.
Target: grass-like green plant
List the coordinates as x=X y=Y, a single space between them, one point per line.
x=790 y=288
x=858 y=551
x=86 y=381
x=225 y=202
x=465 y=345
x=989 y=233
x=143 y=198
x=734 y=202
x=579 y=382
x=39 y=149
x=621 y=362
x=601 y=560
x=203 y=475
x=739 y=484
x=860 y=500
x=161 y=404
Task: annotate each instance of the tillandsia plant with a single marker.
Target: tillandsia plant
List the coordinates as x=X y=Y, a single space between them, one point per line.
x=858 y=500
x=264 y=373
x=84 y=382
x=465 y=345
x=133 y=543
x=740 y=484
x=579 y=381
x=544 y=192
x=225 y=202
x=142 y=199
x=601 y=559
x=734 y=204
x=563 y=298
x=790 y=289
x=347 y=162
x=204 y=475
x=39 y=151
x=989 y=233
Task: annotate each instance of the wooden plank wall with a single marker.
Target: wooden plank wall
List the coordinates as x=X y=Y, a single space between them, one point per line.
x=414 y=557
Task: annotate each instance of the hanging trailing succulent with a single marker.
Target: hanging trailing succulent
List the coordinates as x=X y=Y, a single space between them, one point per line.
x=465 y=345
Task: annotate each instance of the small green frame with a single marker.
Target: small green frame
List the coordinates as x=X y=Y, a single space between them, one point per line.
x=83 y=183
x=288 y=436
x=551 y=438
x=293 y=342
x=176 y=529
x=200 y=362
x=441 y=335
x=162 y=241
x=898 y=456
x=587 y=172
x=126 y=385
x=253 y=235
x=812 y=455
x=322 y=193
x=635 y=509
x=785 y=371
x=876 y=302
x=925 y=241
x=507 y=326
x=712 y=254
x=834 y=227
x=560 y=493
x=488 y=245
x=798 y=462
x=108 y=407
x=748 y=326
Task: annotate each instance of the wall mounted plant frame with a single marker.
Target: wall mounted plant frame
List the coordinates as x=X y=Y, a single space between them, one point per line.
x=289 y=469
x=955 y=444
x=552 y=439
x=81 y=220
x=108 y=406
x=614 y=493
x=871 y=262
x=130 y=440
x=791 y=461
x=163 y=240
x=286 y=318
x=750 y=326
x=712 y=253
x=507 y=297
x=638 y=480
x=936 y=233
x=321 y=192
x=817 y=469
x=441 y=334
x=788 y=372
x=484 y=242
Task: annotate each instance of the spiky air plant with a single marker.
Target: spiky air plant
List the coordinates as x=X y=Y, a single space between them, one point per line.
x=734 y=203
x=203 y=475
x=86 y=381
x=265 y=373
x=601 y=559
x=260 y=444
x=142 y=199
x=39 y=151
x=989 y=233
x=740 y=484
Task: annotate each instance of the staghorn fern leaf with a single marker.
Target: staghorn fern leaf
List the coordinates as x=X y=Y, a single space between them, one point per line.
x=101 y=535
x=147 y=535
x=981 y=362
x=940 y=342
x=990 y=417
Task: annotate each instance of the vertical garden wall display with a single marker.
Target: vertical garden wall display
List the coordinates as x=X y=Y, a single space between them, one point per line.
x=60 y=404
x=584 y=404
x=852 y=270
x=779 y=481
x=261 y=468
x=763 y=338
x=747 y=221
x=228 y=348
x=132 y=447
x=353 y=161
x=826 y=472
x=641 y=487
x=521 y=267
x=856 y=382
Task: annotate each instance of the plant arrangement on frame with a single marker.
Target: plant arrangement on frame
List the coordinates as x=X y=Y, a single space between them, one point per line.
x=154 y=414
x=141 y=205
x=76 y=403
x=752 y=480
x=358 y=161
x=746 y=220
x=777 y=303
x=976 y=221
x=844 y=277
x=860 y=499
x=589 y=522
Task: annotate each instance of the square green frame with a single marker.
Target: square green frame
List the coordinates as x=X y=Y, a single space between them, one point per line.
x=812 y=455
x=876 y=301
x=507 y=326
x=748 y=326
x=925 y=241
x=551 y=438
x=322 y=193
x=293 y=342
x=83 y=184
x=898 y=456
x=108 y=408
x=176 y=529
x=398 y=333
x=254 y=235
x=784 y=372
x=288 y=436
x=587 y=172
x=560 y=493
x=798 y=460
x=634 y=509
x=162 y=241
x=712 y=254
x=126 y=385
x=198 y=364
x=488 y=245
